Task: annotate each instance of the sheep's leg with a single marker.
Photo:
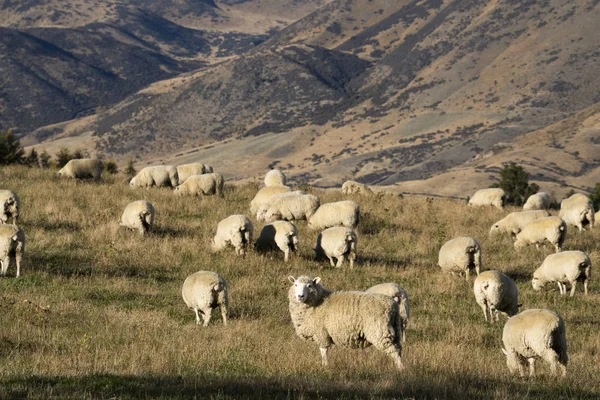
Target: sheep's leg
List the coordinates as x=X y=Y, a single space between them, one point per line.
x=560 y=287
x=286 y=255
x=585 y=285
x=394 y=350
x=223 y=309
x=531 y=362
x=551 y=357
x=573 y=284
x=485 y=311
x=331 y=261
x=206 y=314
x=5 y=265
x=340 y=261
x=197 y=316
x=18 y=257
x=323 y=356
x=493 y=314
x=467 y=273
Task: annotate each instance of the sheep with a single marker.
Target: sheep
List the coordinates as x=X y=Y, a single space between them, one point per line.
x=262 y=210
x=552 y=229
x=138 y=215
x=204 y=290
x=400 y=296
x=496 y=292
x=274 y=178
x=488 y=197
x=349 y=319
x=184 y=171
x=535 y=333
x=353 y=187
x=566 y=267
x=514 y=222
x=82 y=168
x=538 y=201
x=459 y=255
x=337 y=243
x=578 y=212
x=340 y=213
x=157 y=175
x=264 y=194
x=281 y=235
x=12 y=247
x=9 y=206
x=575 y=198
x=201 y=185
x=209 y=169
x=293 y=208
x=235 y=230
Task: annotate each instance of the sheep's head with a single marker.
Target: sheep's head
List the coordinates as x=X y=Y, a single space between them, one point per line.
x=537 y=285
x=272 y=215
x=494 y=229
x=133 y=182
x=261 y=213
x=177 y=190
x=307 y=290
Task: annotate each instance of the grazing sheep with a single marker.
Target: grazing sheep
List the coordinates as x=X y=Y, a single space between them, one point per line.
x=578 y=212
x=293 y=208
x=400 y=296
x=158 y=175
x=459 y=255
x=209 y=169
x=235 y=230
x=9 y=206
x=262 y=210
x=203 y=291
x=349 y=319
x=82 y=168
x=538 y=201
x=496 y=292
x=535 y=333
x=337 y=243
x=514 y=222
x=552 y=229
x=562 y=268
x=488 y=197
x=264 y=194
x=353 y=187
x=274 y=178
x=340 y=213
x=139 y=216
x=184 y=171
x=575 y=198
x=281 y=235
x=201 y=185
x=12 y=247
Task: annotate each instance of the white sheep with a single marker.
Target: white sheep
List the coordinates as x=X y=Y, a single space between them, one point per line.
x=281 y=235
x=138 y=215
x=460 y=255
x=575 y=198
x=514 y=222
x=184 y=171
x=293 y=208
x=349 y=319
x=353 y=187
x=204 y=290
x=535 y=333
x=337 y=243
x=274 y=178
x=552 y=229
x=236 y=231
x=262 y=210
x=157 y=175
x=12 y=247
x=9 y=206
x=201 y=185
x=488 y=197
x=400 y=296
x=82 y=168
x=264 y=194
x=562 y=268
x=339 y=213
x=538 y=201
x=496 y=292
x=578 y=212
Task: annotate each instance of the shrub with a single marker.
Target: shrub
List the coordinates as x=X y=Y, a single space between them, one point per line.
x=32 y=158
x=11 y=151
x=130 y=170
x=110 y=166
x=45 y=159
x=63 y=157
x=514 y=180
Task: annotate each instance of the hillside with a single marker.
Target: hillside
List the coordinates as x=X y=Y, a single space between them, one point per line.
x=60 y=61
x=376 y=91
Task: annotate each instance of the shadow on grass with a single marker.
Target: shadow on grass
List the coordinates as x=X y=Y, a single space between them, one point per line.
x=168 y=231
x=56 y=225
x=251 y=387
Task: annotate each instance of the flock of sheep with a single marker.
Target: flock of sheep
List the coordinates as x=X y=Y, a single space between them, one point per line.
x=355 y=319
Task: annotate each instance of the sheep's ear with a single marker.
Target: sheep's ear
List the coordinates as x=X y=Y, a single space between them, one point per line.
x=317 y=280
x=291 y=279
x=504 y=351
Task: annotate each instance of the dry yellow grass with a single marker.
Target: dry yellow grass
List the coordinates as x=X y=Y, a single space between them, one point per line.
x=98 y=313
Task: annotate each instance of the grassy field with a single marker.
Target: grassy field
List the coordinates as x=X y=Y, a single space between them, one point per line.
x=98 y=312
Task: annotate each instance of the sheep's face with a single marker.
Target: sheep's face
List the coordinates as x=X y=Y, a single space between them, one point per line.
x=261 y=213
x=132 y=182
x=177 y=190
x=537 y=285
x=305 y=288
x=494 y=229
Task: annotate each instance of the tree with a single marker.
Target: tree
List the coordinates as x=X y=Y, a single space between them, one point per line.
x=63 y=157
x=595 y=196
x=45 y=159
x=10 y=148
x=32 y=158
x=130 y=170
x=514 y=180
